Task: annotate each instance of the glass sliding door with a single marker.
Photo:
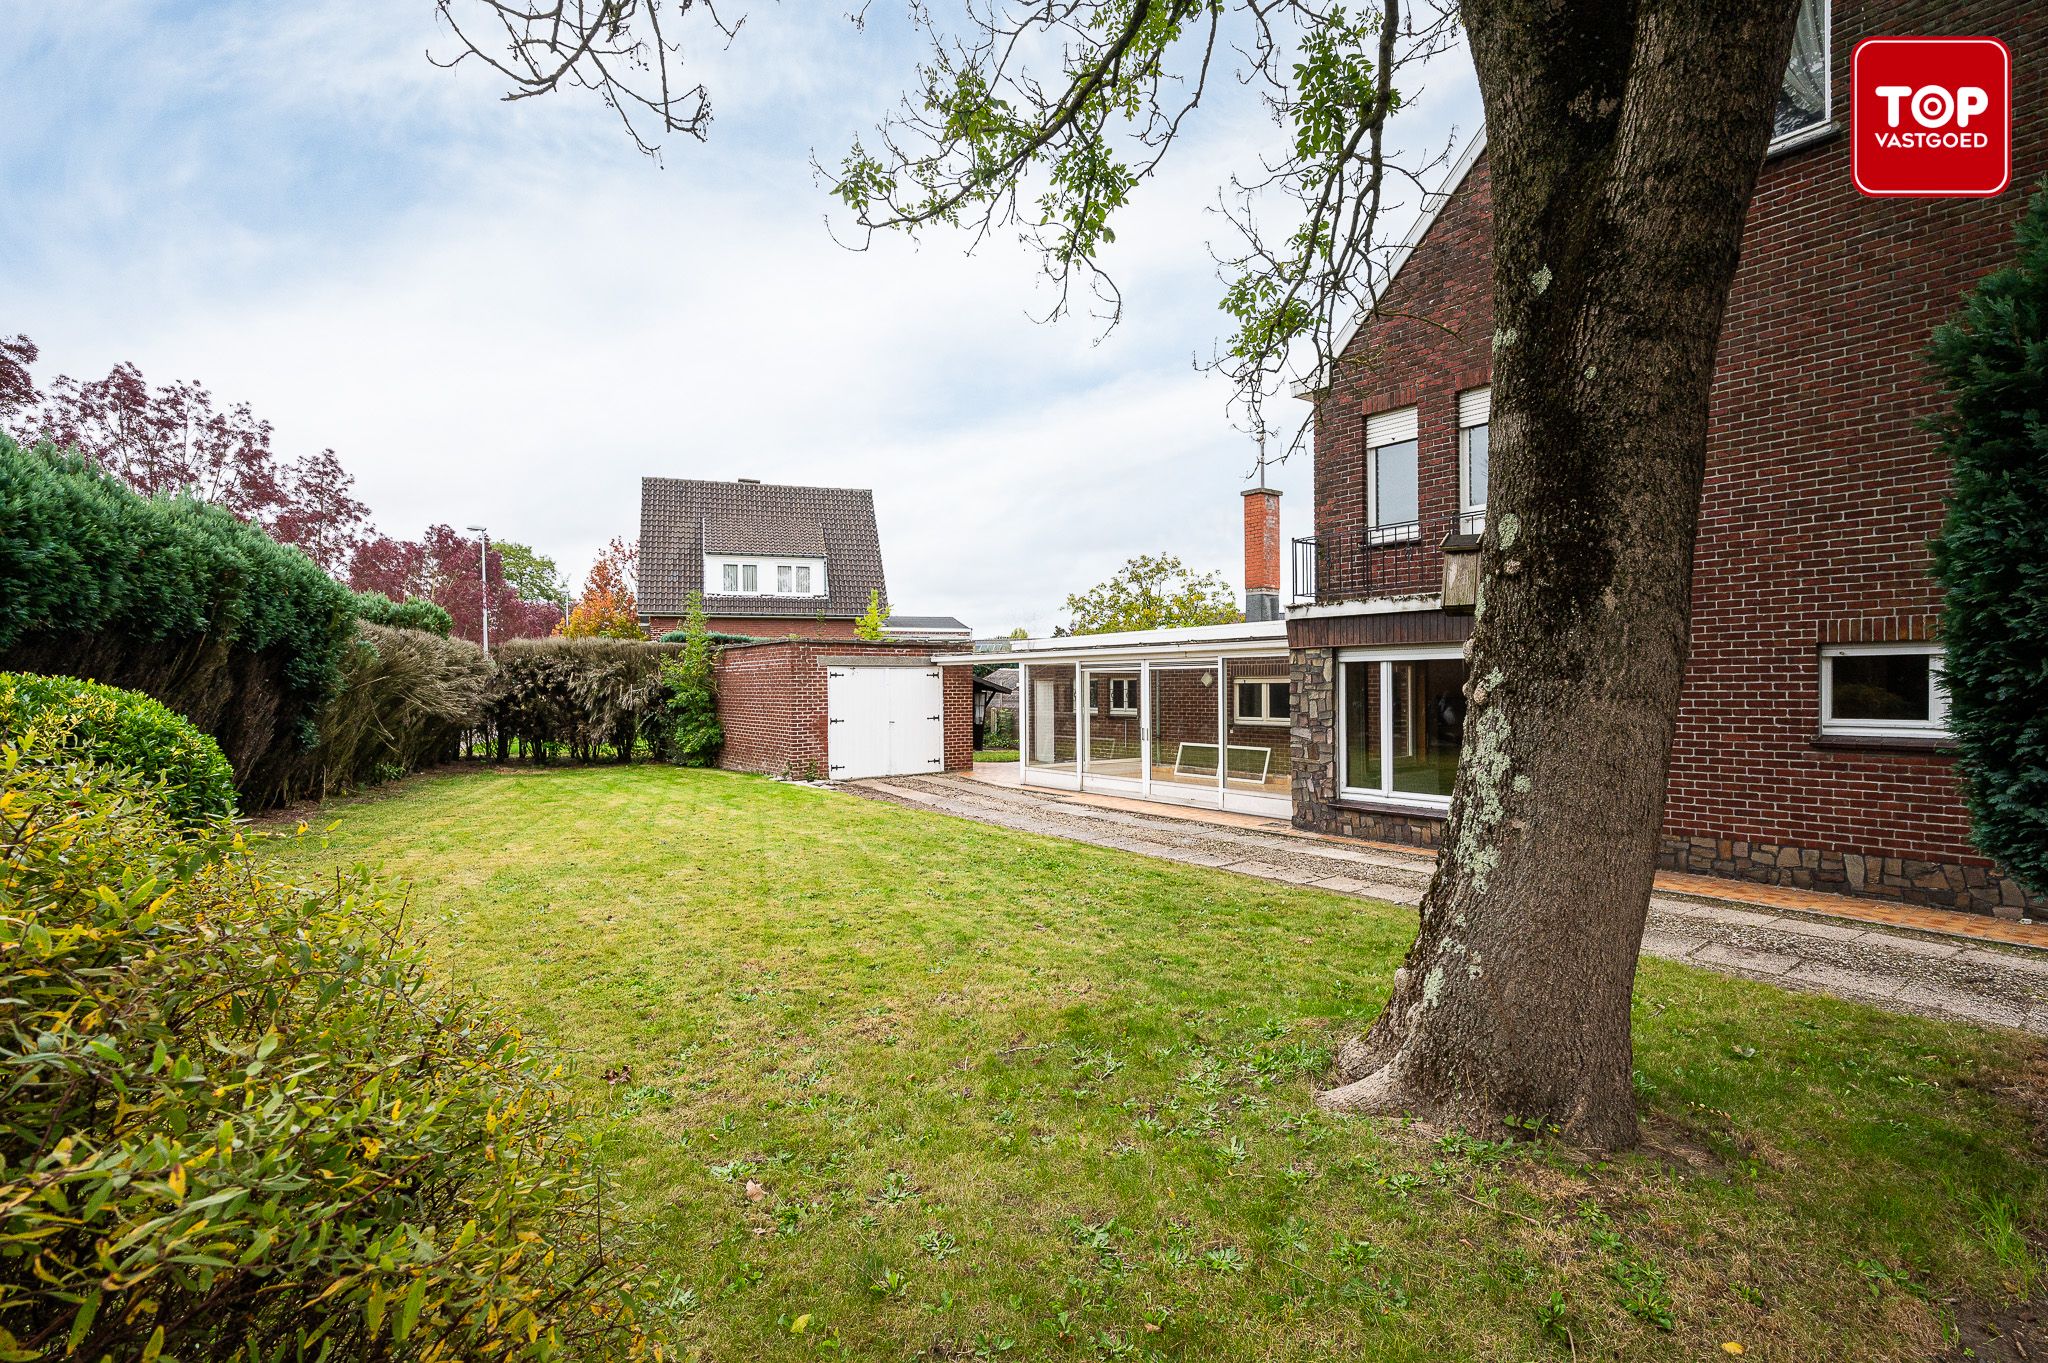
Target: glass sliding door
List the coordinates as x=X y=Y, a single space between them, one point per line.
x=1185 y=721
x=1359 y=737
x=1052 y=732
x=1428 y=714
x=1261 y=721
x=1112 y=725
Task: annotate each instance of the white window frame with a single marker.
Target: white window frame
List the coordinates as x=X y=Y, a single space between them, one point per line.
x=1384 y=658
x=1264 y=719
x=804 y=578
x=1934 y=726
x=753 y=571
x=1475 y=412
x=1398 y=426
x=1827 y=126
x=1135 y=685
x=729 y=579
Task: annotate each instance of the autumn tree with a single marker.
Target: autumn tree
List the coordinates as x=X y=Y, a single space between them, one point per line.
x=172 y=440
x=874 y=621
x=1625 y=138
x=443 y=567
x=608 y=608
x=1153 y=591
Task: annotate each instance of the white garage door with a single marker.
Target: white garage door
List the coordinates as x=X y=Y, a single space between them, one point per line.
x=885 y=721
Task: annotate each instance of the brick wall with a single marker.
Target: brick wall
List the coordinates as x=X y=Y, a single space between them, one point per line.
x=1822 y=490
x=772 y=704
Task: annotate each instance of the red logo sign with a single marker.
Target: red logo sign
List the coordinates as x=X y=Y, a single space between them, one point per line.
x=1931 y=117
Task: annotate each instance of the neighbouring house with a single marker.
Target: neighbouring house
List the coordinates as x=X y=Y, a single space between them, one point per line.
x=771 y=560
x=791 y=570
x=1811 y=746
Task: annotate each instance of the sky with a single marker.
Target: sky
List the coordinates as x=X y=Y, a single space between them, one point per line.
x=502 y=314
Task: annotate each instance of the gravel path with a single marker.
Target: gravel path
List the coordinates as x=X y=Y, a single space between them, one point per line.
x=1903 y=971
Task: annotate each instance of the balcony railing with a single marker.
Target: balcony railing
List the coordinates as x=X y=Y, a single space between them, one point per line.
x=1381 y=560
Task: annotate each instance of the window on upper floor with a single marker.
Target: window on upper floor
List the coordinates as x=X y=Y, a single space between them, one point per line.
x=764 y=576
x=1882 y=691
x=1392 y=481
x=1475 y=410
x=1803 y=97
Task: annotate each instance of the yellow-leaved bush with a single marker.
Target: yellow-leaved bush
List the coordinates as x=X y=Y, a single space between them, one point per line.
x=238 y=1120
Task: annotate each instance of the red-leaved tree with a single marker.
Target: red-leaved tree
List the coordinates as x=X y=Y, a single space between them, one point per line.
x=172 y=439
x=442 y=566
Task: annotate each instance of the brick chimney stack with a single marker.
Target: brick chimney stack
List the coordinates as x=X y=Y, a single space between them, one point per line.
x=1262 y=553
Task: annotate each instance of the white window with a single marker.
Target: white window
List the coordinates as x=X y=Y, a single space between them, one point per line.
x=751 y=577
x=1882 y=691
x=1123 y=695
x=1400 y=725
x=1392 y=478
x=1475 y=413
x=1261 y=700
x=1803 y=94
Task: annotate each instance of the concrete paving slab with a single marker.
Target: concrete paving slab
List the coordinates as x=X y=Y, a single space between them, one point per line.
x=1818 y=927
x=1742 y=958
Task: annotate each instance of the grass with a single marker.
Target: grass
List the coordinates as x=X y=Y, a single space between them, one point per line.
x=906 y=1086
x=996 y=755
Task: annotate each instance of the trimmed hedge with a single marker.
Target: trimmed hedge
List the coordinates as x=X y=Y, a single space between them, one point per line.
x=412 y=613
x=579 y=698
x=125 y=730
x=82 y=551
x=174 y=598
x=1992 y=555
x=407 y=698
x=239 y=1121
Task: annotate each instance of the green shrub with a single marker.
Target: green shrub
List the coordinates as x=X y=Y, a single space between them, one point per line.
x=81 y=551
x=121 y=729
x=407 y=698
x=582 y=697
x=414 y=612
x=237 y=1122
x=1992 y=556
x=690 y=686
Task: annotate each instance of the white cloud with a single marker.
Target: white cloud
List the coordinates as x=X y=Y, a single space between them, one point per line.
x=501 y=315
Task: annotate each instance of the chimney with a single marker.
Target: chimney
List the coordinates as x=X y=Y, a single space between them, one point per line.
x=1262 y=553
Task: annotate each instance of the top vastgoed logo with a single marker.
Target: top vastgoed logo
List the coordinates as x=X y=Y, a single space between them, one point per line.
x=1931 y=117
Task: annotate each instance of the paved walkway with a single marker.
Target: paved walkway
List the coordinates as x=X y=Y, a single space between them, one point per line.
x=1767 y=937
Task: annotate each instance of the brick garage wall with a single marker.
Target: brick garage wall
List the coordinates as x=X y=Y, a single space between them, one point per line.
x=1823 y=489
x=772 y=702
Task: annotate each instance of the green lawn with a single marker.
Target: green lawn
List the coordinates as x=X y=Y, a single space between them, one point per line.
x=1004 y=1096
x=996 y=755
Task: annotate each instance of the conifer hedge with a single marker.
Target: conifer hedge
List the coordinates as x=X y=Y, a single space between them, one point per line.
x=1992 y=556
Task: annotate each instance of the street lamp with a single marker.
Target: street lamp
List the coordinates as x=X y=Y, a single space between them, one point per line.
x=483 y=578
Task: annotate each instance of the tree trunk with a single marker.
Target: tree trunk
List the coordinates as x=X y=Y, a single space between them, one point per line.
x=1624 y=140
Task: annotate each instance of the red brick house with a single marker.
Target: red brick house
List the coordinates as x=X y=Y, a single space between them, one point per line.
x=1810 y=744
x=792 y=570
x=771 y=559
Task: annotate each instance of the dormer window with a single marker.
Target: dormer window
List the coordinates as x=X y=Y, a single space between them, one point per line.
x=765 y=576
